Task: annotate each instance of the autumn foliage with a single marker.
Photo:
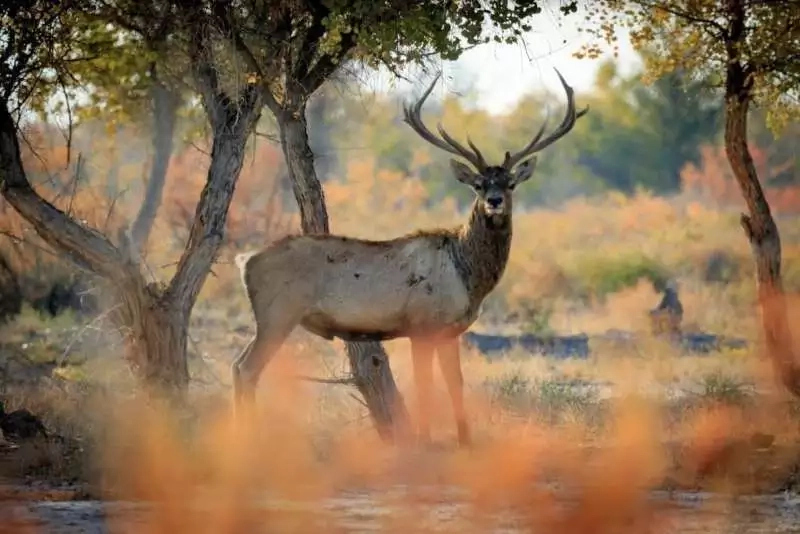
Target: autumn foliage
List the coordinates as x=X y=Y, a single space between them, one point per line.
x=713 y=182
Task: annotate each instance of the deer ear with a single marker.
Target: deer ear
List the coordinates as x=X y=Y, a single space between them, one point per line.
x=463 y=173
x=523 y=171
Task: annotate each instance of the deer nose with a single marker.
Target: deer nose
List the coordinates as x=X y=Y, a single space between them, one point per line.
x=494 y=202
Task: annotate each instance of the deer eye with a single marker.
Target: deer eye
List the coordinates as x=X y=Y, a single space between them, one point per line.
x=478 y=186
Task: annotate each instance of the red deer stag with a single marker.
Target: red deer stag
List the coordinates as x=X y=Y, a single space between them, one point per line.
x=427 y=286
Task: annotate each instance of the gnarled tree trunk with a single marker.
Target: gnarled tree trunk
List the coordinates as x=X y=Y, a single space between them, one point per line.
x=154 y=322
x=156 y=329
x=369 y=362
x=759 y=225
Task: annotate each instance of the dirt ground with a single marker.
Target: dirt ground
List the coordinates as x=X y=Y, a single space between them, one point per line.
x=66 y=511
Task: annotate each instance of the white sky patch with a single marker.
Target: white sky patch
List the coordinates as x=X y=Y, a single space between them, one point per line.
x=498 y=75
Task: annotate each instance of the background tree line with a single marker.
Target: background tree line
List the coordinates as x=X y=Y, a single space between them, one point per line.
x=640 y=135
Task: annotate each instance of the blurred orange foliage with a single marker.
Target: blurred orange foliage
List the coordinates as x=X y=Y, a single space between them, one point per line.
x=713 y=181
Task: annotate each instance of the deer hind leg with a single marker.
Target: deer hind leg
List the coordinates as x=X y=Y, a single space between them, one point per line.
x=450 y=364
x=422 y=355
x=248 y=366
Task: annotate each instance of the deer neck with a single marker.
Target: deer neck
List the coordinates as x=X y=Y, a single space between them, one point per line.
x=481 y=251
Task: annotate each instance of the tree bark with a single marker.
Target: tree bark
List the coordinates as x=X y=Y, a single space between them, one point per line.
x=758 y=224
x=300 y=163
x=764 y=238
x=369 y=362
x=165 y=112
x=10 y=294
x=373 y=378
x=156 y=335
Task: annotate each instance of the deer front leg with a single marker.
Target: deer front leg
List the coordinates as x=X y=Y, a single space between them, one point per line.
x=238 y=392
x=450 y=365
x=422 y=356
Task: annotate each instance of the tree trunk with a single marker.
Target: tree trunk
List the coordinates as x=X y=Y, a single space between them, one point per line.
x=373 y=378
x=320 y=135
x=156 y=343
x=300 y=163
x=10 y=294
x=165 y=112
x=369 y=362
x=761 y=231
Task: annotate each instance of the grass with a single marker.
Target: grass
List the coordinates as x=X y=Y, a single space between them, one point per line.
x=723 y=388
x=549 y=400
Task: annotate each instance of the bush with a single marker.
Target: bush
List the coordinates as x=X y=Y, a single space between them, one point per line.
x=721 y=267
x=601 y=276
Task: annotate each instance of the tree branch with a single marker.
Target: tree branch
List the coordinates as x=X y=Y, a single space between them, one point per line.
x=327 y=65
x=165 y=112
x=85 y=246
x=205 y=74
x=349 y=381
x=307 y=49
x=223 y=16
x=233 y=124
x=669 y=8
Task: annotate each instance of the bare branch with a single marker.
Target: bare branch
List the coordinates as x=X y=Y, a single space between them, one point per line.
x=85 y=246
x=349 y=381
x=670 y=8
x=75 y=179
x=63 y=358
x=17 y=240
x=70 y=123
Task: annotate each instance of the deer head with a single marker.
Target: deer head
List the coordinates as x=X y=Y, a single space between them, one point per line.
x=493 y=184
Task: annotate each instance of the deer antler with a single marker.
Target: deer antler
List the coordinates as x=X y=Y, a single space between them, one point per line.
x=566 y=125
x=446 y=142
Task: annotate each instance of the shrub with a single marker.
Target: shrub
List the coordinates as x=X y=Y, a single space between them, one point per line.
x=549 y=400
x=600 y=276
x=721 y=266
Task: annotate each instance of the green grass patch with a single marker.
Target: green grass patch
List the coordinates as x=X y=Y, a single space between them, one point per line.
x=551 y=400
x=601 y=276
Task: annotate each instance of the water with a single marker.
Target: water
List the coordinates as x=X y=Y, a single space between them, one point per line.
x=425 y=510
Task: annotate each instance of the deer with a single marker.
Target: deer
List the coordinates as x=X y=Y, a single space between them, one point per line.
x=427 y=286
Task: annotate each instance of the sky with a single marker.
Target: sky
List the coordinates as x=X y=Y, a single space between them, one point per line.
x=499 y=75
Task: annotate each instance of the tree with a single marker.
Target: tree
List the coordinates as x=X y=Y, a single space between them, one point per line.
x=753 y=49
x=292 y=48
x=39 y=43
x=134 y=69
x=663 y=123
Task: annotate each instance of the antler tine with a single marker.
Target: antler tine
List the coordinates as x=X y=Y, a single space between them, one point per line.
x=447 y=143
x=510 y=160
x=477 y=152
x=570 y=117
x=476 y=159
